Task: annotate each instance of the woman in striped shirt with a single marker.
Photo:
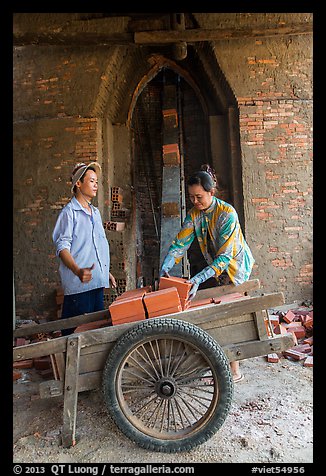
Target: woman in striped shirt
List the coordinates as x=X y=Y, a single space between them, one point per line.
x=216 y=225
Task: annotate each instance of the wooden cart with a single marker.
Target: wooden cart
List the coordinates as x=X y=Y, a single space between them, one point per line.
x=166 y=381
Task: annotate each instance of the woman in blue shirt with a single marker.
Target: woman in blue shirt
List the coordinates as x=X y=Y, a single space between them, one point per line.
x=82 y=246
x=216 y=225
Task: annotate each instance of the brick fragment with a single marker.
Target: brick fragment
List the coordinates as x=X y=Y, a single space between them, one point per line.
x=289 y=316
x=42 y=363
x=309 y=362
x=274 y=358
x=293 y=354
x=23 y=364
x=16 y=375
x=308 y=340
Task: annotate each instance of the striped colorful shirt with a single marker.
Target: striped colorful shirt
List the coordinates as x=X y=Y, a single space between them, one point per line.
x=220 y=239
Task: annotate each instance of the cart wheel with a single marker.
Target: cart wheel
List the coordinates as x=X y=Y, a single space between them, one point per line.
x=167 y=385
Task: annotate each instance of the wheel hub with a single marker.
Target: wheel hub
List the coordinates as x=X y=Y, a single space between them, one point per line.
x=166 y=388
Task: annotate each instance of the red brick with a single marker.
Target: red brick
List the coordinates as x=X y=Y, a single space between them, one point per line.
x=308 y=340
x=229 y=298
x=296 y=329
x=20 y=341
x=293 y=354
x=200 y=302
x=308 y=322
x=162 y=299
x=23 y=364
x=274 y=319
x=42 y=363
x=181 y=284
x=163 y=312
x=309 y=362
x=138 y=292
x=280 y=329
x=124 y=320
x=273 y=358
x=127 y=309
x=92 y=325
x=304 y=348
x=16 y=375
x=289 y=316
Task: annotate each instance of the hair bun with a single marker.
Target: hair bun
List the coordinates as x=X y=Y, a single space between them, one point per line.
x=207 y=168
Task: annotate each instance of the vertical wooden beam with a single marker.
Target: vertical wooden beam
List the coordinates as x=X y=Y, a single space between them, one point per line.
x=236 y=164
x=71 y=391
x=259 y=317
x=171 y=203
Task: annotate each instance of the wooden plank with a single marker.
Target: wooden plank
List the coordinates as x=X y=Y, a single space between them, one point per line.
x=236 y=333
x=61 y=365
x=201 y=34
x=39 y=349
x=62 y=323
x=90 y=381
x=239 y=351
x=225 y=331
x=198 y=316
x=71 y=391
x=66 y=38
x=239 y=307
x=86 y=38
x=247 y=350
x=250 y=285
x=95 y=360
x=259 y=318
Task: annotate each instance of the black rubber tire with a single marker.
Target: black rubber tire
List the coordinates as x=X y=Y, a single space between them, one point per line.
x=198 y=345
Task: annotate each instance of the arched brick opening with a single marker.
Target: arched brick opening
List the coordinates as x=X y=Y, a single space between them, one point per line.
x=209 y=135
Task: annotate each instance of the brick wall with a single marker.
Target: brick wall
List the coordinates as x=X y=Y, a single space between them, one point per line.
x=272 y=80
x=63 y=97
x=276 y=140
x=45 y=153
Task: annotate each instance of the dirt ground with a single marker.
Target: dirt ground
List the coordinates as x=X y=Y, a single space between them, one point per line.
x=270 y=421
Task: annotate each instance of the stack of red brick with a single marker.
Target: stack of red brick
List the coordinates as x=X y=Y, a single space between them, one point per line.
x=171 y=297
x=299 y=322
x=143 y=303
x=45 y=366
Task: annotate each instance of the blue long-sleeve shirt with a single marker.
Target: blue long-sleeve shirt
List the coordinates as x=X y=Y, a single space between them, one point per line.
x=83 y=235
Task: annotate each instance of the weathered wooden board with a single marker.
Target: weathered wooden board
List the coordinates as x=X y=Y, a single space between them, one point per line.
x=246 y=350
x=207 y=317
x=62 y=323
x=71 y=391
x=245 y=287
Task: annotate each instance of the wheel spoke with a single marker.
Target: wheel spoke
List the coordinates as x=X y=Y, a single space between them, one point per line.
x=190 y=407
x=196 y=398
x=162 y=390
x=138 y=376
x=150 y=361
x=181 y=412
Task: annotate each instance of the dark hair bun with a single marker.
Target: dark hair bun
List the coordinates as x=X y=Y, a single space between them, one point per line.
x=207 y=168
